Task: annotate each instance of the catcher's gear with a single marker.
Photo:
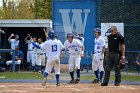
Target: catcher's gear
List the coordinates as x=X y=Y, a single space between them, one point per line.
x=121 y=65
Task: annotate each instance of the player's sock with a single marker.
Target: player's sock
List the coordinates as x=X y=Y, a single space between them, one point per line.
x=72 y=75
x=45 y=74
x=78 y=73
x=39 y=68
x=101 y=75
x=97 y=74
x=57 y=78
x=34 y=68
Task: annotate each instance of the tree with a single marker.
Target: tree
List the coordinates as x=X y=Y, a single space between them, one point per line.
x=43 y=9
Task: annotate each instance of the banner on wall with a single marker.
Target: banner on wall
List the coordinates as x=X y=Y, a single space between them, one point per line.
x=76 y=16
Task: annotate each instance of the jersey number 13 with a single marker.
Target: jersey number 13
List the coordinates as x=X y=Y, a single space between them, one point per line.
x=54 y=48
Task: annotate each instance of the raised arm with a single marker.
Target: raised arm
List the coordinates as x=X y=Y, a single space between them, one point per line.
x=10 y=37
x=27 y=37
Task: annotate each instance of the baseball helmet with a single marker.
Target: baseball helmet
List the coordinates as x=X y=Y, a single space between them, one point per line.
x=97 y=30
x=69 y=35
x=51 y=35
x=108 y=32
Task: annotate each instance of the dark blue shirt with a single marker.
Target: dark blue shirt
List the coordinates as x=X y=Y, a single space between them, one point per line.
x=19 y=54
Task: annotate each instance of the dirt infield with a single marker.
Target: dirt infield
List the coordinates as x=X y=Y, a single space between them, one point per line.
x=66 y=88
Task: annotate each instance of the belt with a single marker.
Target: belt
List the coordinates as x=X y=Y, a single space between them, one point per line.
x=40 y=53
x=98 y=52
x=113 y=51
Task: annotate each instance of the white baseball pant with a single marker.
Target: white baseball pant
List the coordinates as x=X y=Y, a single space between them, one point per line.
x=74 y=62
x=53 y=61
x=97 y=62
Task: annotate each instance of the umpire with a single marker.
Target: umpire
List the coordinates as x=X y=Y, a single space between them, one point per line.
x=116 y=46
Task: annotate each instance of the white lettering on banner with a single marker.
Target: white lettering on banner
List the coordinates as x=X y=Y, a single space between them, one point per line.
x=76 y=20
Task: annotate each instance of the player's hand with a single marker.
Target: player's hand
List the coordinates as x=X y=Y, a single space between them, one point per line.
x=62 y=55
x=81 y=55
x=102 y=56
x=123 y=59
x=12 y=35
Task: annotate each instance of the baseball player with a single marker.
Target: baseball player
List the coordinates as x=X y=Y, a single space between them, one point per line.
x=81 y=38
x=14 y=42
x=18 y=57
x=40 y=57
x=97 y=60
x=74 y=46
x=53 y=49
x=28 y=41
x=33 y=53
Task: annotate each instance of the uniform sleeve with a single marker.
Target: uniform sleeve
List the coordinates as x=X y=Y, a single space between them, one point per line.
x=102 y=42
x=121 y=39
x=62 y=46
x=65 y=44
x=11 y=40
x=43 y=46
x=21 y=54
x=79 y=43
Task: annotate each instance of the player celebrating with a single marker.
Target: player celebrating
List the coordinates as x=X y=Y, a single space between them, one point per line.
x=40 y=57
x=74 y=46
x=53 y=49
x=14 y=42
x=97 y=60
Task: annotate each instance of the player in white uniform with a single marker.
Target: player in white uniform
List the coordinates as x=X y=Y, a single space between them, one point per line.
x=14 y=42
x=28 y=41
x=40 y=57
x=33 y=53
x=53 y=49
x=98 y=56
x=74 y=46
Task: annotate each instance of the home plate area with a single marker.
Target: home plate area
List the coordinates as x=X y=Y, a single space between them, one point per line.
x=66 y=88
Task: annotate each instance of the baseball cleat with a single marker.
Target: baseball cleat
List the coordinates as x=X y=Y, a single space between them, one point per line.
x=96 y=81
x=117 y=84
x=104 y=84
x=77 y=81
x=44 y=81
x=57 y=84
x=72 y=82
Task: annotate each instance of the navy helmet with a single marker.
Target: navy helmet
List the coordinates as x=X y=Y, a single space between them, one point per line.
x=51 y=35
x=69 y=35
x=98 y=30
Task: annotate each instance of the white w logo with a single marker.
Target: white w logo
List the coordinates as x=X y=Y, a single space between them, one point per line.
x=76 y=20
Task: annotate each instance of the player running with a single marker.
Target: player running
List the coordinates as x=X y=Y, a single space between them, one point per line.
x=74 y=46
x=98 y=56
x=53 y=49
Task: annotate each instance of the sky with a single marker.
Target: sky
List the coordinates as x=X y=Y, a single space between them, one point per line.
x=0 y=3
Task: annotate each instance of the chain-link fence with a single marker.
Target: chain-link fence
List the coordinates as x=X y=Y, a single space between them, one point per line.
x=127 y=12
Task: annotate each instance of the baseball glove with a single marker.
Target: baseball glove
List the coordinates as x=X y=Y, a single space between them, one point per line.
x=121 y=66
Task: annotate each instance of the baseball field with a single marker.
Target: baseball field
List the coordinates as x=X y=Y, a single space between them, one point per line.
x=30 y=82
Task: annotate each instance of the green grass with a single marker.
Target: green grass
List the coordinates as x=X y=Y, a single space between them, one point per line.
x=124 y=77
x=34 y=75
x=20 y=75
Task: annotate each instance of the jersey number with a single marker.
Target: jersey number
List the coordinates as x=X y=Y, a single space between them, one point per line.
x=54 y=48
